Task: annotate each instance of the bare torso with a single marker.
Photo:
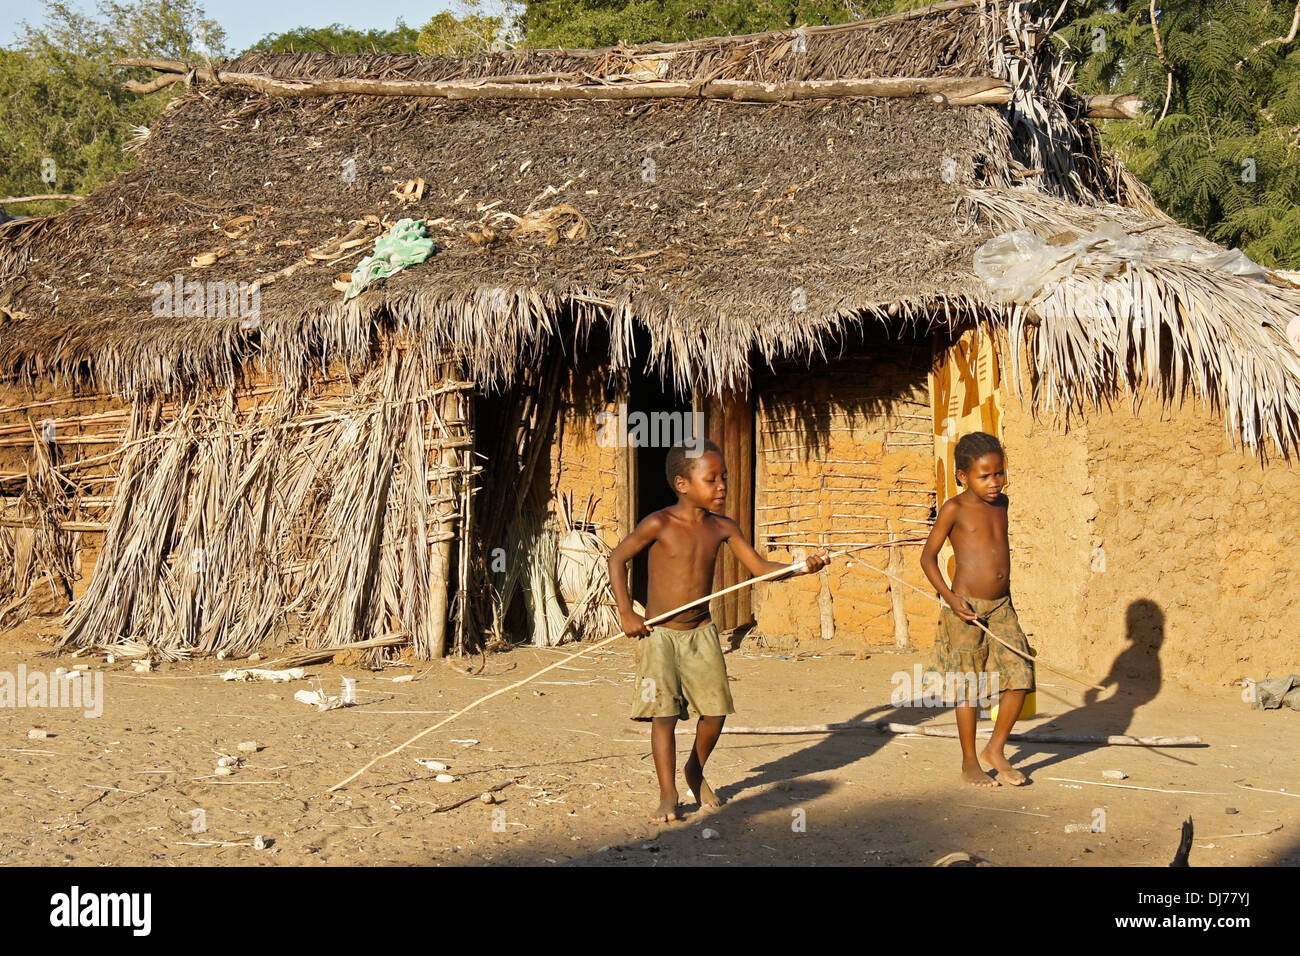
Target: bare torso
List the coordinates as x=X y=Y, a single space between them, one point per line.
x=681 y=561
x=979 y=540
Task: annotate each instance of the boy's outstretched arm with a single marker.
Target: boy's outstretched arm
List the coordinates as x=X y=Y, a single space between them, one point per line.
x=644 y=535
x=943 y=523
x=755 y=563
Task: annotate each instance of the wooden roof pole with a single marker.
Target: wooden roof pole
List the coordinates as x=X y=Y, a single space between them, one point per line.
x=955 y=90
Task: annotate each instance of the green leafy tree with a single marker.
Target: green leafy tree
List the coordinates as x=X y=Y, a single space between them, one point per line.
x=337 y=38
x=472 y=30
x=64 y=117
x=599 y=23
x=1220 y=141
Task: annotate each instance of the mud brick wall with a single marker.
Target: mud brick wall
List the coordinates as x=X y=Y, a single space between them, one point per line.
x=844 y=458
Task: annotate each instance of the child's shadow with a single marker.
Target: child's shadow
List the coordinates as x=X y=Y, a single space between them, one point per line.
x=831 y=752
x=1135 y=675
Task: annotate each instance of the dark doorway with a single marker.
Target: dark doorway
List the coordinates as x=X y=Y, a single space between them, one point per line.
x=650 y=491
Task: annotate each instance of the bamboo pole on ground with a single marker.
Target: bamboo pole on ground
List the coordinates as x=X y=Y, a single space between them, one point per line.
x=888 y=727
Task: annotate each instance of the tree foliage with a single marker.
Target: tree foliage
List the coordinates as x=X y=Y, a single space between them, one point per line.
x=1225 y=157
x=337 y=38
x=64 y=116
x=472 y=29
x=599 y=23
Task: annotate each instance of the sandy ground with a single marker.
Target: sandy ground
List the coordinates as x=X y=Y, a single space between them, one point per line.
x=137 y=785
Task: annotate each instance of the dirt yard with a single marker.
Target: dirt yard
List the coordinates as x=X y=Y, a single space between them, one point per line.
x=137 y=785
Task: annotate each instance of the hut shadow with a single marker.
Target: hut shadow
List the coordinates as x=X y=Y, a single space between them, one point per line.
x=1135 y=676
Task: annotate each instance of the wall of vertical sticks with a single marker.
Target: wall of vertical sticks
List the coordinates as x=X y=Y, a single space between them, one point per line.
x=332 y=516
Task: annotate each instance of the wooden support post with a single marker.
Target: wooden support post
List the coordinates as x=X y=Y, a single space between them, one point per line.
x=902 y=637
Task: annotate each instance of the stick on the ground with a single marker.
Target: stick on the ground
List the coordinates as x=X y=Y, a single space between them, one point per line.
x=1029 y=657
x=1125 y=786
x=477 y=796
x=667 y=615
x=888 y=727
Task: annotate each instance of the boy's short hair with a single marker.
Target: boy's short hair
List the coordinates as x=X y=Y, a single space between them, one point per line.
x=972 y=446
x=680 y=464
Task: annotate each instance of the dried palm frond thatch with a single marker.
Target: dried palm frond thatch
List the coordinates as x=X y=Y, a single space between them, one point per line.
x=726 y=232
x=229 y=527
x=1114 y=326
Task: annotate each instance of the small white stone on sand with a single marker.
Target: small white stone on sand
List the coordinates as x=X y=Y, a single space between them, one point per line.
x=445 y=778
x=259 y=843
x=709 y=834
x=405 y=678
x=111 y=659
x=487 y=798
x=223 y=771
x=1114 y=774
x=228 y=762
x=247 y=747
x=430 y=764
x=254 y=658
x=38 y=734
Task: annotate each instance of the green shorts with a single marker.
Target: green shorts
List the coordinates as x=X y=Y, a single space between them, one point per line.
x=681 y=674
x=963 y=649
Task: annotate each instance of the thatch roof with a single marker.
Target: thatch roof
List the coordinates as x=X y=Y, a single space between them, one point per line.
x=763 y=231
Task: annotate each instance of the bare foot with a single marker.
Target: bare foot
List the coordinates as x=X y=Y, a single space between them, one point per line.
x=699 y=786
x=974 y=774
x=666 y=812
x=1005 y=771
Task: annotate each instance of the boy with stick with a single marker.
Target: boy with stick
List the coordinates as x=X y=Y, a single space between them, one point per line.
x=680 y=671
x=976 y=523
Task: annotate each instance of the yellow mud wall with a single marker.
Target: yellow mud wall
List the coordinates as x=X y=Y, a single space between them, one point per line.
x=1146 y=546
x=844 y=458
x=581 y=465
x=1051 y=513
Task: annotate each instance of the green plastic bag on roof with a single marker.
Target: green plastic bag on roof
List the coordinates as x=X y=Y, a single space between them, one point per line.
x=403 y=245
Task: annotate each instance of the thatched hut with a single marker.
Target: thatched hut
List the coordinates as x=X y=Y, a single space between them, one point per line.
x=778 y=231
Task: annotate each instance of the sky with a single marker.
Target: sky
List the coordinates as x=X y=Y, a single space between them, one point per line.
x=247 y=21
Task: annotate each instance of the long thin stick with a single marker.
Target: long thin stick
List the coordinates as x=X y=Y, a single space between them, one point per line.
x=1028 y=657
x=888 y=727
x=44 y=197
x=667 y=615
x=1125 y=786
